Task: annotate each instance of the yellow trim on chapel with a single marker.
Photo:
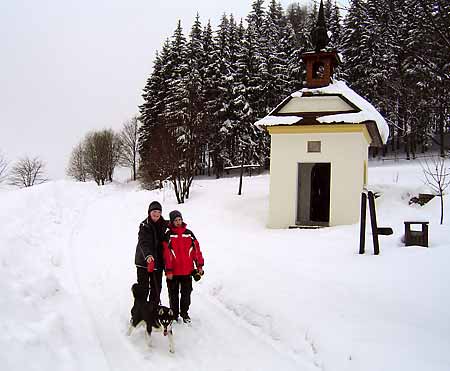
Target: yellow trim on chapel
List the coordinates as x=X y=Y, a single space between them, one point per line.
x=329 y=128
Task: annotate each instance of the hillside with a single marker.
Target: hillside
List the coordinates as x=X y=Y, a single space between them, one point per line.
x=269 y=300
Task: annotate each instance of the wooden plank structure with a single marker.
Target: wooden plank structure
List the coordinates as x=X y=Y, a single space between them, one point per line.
x=376 y=231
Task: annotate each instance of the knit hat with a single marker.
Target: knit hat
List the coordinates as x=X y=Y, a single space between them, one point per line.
x=154 y=205
x=174 y=214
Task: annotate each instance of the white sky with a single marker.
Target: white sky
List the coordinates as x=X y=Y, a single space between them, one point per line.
x=69 y=67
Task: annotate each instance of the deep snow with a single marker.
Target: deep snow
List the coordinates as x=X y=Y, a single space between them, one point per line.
x=270 y=299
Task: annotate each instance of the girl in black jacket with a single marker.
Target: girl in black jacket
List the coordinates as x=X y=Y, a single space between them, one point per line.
x=149 y=250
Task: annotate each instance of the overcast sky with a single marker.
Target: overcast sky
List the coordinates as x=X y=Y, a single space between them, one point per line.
x=69 y=67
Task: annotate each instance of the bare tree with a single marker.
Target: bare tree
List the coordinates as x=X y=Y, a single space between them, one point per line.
x=101 y=155
x=160 y=160
x=3 y=167
x=437 y=178
x=27 y=172
x=114 y=150
x=164 y=159
x=129 y=141
x=77 y=165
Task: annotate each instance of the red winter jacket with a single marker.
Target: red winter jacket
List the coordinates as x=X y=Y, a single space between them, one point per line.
x=181 y=250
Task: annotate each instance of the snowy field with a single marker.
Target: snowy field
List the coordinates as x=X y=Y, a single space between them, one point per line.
x=269 y=300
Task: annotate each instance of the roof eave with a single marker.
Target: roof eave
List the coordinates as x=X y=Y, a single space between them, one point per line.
x=372 y=128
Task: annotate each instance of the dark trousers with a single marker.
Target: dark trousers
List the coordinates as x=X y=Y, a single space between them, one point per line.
x=177 y=285
x=150 y=282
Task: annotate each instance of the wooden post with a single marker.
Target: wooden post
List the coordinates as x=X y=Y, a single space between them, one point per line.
x=242 y=173
x=373 y=222
x=362 y=229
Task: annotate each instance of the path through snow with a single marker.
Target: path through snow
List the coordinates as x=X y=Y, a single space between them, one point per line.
x=218 y=339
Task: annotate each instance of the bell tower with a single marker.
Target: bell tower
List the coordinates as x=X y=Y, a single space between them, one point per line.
x=321 y=62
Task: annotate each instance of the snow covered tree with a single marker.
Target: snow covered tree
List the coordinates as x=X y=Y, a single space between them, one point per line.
x=256 y=16
x=396 y=55
x=356 y=46
x=207 y=89
x=297 y=16
x=429 y=46
x=155 y=95
x=255 y=59
x=210 y=71
x=223 y=85
x=274 y=66
x=334 y=25
x=311 y=19
x=295 y=66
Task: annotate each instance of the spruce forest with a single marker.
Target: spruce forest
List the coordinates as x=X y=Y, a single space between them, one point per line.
x=209 y=86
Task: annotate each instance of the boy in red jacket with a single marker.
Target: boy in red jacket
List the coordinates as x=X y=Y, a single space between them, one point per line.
x=181 y=250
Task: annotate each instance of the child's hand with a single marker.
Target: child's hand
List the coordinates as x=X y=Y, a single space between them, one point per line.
x=169 y=275
x=200 y=270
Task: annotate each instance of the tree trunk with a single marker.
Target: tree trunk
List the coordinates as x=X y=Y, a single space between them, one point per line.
x=209 y=164
x=441 y=133
x=175 y=187
x=393 y=140
x=407 y=145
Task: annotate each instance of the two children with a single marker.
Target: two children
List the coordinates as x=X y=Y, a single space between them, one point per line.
x=181 y=251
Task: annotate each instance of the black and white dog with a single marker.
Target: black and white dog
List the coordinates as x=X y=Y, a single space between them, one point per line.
x=145 y=313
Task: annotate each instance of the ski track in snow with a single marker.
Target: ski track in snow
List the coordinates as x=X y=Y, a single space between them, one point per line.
x=217 y=332
x=105 y=344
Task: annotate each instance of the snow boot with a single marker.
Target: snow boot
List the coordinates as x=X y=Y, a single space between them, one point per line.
x=185 y=317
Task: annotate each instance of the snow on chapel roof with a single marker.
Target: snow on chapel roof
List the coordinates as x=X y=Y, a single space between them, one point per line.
x=365 y=112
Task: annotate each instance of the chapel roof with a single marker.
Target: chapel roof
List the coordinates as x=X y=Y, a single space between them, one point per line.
x=359 y=111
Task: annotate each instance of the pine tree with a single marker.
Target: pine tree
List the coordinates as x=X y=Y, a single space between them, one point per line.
x=429 y=44
x=210 y=71
x=154 y=94
x=298 y=17
x=334 y=26
x=194 y=83
x=311 y=19
x=256 y=16
x=256 y=59
x=274 y=69
x=295 y=66
x=222 y=84
x=356 y=46
x=177 y=69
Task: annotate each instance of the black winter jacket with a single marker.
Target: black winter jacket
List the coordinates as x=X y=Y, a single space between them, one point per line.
x=150 y=238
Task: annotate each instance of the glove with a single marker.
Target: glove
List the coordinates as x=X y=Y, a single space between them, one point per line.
x=150 y=265
x=197 y=274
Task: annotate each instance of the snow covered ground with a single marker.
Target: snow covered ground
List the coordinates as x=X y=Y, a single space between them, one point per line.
x=269 y=300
